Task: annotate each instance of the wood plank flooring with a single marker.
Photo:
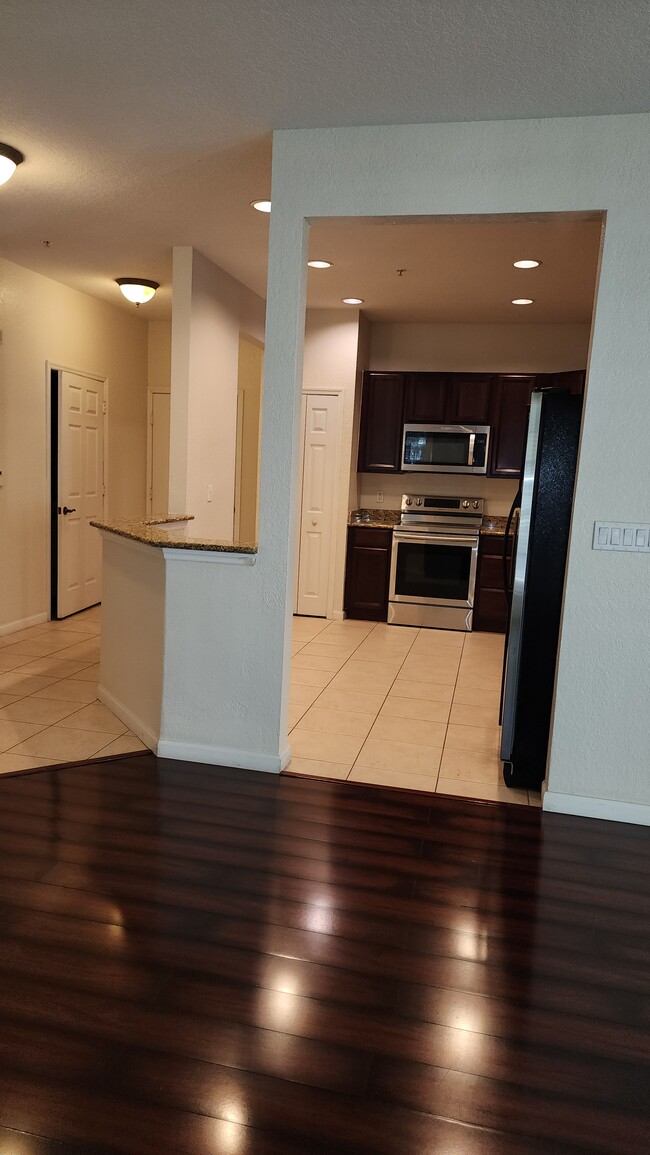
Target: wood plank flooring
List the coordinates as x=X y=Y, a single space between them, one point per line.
x=216 y=962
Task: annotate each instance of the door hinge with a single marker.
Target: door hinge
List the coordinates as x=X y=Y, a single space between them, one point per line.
x=103 y=406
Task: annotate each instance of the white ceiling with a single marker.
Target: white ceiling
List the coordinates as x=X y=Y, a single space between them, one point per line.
x=458 y=269
x=146 y=125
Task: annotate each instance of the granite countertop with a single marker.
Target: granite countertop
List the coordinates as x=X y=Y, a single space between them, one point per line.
x=492 y=526
x=172 y=531
x=374 y=518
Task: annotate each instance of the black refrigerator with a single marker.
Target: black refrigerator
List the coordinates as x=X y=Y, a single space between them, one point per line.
x=540 y=517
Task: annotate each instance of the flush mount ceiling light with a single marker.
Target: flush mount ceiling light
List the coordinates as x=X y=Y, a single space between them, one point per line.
x=352 y=300
x=319 y=264
x=136 y=289
x=528 y=264
x=523 y=301
x=10 y=158
x=261 y=206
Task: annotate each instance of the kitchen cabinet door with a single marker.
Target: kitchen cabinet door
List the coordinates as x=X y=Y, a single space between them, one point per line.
x=380 y=439
x=425 y=398
x=468 y=398
x=490 y=603
x=366 y=573
x=508 y=421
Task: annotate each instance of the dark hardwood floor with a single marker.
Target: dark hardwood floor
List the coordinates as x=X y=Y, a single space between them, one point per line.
x=216 y=962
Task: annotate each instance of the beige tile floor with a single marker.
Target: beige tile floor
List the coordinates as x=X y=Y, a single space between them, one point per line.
x=49 y=711
x=372 y=703
x=396 y=706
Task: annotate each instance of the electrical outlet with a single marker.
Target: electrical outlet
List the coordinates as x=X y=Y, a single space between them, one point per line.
x=380 y=497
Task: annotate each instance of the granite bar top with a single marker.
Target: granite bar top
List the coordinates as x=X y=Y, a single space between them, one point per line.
x=492 y=526
x=173 y=531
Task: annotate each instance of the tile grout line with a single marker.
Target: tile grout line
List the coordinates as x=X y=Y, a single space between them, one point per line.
x=325 y=687
x=383 y=701
x=451 y=706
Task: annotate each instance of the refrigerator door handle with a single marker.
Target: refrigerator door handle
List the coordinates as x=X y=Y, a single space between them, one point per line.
x=508 y=570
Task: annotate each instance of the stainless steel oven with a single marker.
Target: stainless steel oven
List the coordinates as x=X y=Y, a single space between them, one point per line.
x=433 y=562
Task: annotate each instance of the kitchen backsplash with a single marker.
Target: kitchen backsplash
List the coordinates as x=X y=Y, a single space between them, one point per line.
x=498 y=493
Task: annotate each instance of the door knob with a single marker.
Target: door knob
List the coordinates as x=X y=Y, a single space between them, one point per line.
x=65 y=510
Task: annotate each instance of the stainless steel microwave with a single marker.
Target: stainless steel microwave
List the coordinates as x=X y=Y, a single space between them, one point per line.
x=445 y=448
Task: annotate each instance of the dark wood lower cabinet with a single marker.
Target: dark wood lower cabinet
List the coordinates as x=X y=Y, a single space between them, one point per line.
x=367 y=572
x=490 y=605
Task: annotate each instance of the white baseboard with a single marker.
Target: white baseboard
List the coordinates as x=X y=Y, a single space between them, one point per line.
x=144 y=733
x=606 y=808
x=224 y=756
x=24 y=624
x=338 y=615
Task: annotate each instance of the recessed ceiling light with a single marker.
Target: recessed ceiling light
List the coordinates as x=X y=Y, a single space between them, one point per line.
x=526 y=264
x=523 y=301
x=10 y=158
x=352 y=300
x=319 y=264
x=261 y=206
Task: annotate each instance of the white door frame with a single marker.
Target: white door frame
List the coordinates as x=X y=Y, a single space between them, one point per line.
x=314 y=392
x=151 y=389
x=50 y=367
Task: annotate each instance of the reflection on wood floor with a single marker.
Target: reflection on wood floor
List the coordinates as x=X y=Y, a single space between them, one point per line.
x=216 y=962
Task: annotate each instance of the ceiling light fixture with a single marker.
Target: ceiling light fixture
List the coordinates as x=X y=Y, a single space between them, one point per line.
x=352 y=300
x=523 y=301
x=319 y=264
x=526 y=264
x=261 y=206
x=10 y=158
x=136 y=289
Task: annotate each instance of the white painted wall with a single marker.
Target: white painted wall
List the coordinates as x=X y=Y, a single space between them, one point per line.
x=159 y=355
x=210 y=311
x=133 y=634
x=43 y=320
x=516 y=348
x=363 y=363
x=599 y=744
x=330 y=362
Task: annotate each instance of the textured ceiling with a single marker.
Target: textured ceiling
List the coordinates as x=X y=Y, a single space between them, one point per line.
x=147 y=124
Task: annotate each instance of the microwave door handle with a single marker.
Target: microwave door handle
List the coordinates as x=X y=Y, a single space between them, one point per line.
x=472 y=438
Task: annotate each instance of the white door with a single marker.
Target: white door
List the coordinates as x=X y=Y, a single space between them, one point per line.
x=80 y=492
x=319 y=493
x=158 y=496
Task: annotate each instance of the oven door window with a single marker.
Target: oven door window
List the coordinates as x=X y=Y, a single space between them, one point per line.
x=435 y=448
x=426 y=571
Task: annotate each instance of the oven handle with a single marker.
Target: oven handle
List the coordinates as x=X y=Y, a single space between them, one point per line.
x=436 y=538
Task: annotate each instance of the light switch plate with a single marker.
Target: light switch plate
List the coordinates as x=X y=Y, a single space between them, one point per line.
x=622 y=536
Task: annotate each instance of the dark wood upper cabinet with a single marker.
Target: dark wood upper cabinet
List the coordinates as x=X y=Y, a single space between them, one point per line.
x=573 y=380
x=380 y=437
x=425 y=397
x=498 y=400
x=468 y=398
x=510 y=401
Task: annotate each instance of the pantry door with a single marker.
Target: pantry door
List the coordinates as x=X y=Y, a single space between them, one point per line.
x=319 y=494
x=80 y=492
